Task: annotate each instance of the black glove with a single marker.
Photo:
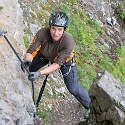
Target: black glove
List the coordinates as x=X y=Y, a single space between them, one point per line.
x=33 y=75
x=27 y=63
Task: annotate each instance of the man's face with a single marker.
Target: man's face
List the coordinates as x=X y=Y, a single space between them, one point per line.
x=56 y=32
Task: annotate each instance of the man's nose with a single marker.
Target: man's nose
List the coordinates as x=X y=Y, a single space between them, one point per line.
x=56 y=31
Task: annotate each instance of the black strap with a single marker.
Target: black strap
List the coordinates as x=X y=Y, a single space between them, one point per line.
x=41 y=91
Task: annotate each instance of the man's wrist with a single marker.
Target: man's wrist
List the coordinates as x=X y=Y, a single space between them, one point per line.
x=41 y=73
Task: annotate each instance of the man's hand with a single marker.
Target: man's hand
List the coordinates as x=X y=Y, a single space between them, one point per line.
x=27 y=63
x=33 y=75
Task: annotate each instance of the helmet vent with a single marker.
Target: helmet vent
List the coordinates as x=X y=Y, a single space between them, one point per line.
x=58 y=19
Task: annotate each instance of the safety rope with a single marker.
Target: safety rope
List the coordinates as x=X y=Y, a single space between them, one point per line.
x=41 y=91
x=2 y=33
x=36 y=103
x=42 y=88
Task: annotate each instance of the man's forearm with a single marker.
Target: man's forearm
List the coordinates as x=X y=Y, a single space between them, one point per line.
x=50 y=69
x=28 y=56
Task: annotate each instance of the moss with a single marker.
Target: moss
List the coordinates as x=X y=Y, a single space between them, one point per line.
x=1 y=7
x=33 y=15
x=26 y=41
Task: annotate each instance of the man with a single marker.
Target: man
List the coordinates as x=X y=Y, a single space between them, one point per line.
x=55 y=45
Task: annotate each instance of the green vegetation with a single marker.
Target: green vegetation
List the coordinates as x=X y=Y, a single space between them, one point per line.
x=120 y=64
x=122 y=15
x=26 y=41
x=44 y=113
x=121 y=12
x=90 y=58
x=1 y=7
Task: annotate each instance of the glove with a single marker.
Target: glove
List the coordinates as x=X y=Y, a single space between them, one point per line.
x=27 y=63
x=33 y=75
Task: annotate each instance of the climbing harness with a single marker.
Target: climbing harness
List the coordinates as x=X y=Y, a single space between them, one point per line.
x=2 y=33
x=73 y=63
x=67 y=73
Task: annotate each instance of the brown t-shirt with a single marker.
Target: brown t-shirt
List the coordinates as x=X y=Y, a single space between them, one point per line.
x=56 y=52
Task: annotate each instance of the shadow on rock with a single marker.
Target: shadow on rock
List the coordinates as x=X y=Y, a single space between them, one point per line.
x=83 y=123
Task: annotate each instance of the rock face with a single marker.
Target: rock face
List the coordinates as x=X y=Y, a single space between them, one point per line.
x=108 y=101
x=16 y=104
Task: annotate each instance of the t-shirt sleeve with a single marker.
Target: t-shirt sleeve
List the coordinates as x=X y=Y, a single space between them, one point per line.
x=36 y=43
x=65 y=52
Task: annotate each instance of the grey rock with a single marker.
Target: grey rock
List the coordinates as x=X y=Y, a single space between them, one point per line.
x=108 y=101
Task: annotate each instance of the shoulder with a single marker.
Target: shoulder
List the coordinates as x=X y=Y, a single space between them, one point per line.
x=44 y=31
x=68 y=38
